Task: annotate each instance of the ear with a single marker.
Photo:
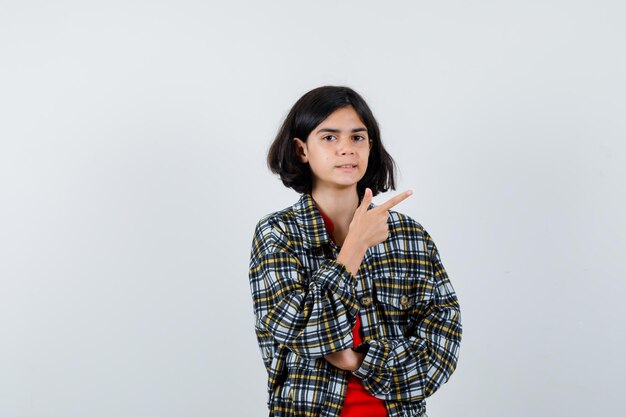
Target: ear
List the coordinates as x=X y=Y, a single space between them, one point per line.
x=301 y=150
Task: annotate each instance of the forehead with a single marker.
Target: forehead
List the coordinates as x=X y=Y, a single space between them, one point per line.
x=345 y=118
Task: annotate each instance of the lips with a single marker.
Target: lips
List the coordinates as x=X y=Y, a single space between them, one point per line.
x=347 y=166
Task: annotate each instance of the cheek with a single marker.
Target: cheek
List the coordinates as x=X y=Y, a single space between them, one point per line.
x=322 y=162
x=365 y=159
x=319 y=164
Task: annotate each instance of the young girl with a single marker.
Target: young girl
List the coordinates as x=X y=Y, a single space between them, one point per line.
x=355 y=314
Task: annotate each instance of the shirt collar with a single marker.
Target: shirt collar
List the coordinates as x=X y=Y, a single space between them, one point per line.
x=311 y=223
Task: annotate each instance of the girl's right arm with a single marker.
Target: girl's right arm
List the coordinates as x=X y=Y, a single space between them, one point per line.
x=367 y=228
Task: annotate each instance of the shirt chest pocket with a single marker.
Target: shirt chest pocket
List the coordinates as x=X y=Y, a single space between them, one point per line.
x=401 y=303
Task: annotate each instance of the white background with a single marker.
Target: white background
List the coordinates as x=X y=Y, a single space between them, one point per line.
x=133 y=137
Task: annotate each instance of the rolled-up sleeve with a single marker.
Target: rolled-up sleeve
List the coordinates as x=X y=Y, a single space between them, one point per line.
x=310 y=315
x=412 y=368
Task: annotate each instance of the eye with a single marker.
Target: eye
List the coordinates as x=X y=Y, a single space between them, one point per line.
x=328 y=138
x=358 y=138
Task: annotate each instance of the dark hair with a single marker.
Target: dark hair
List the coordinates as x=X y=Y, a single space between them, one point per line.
x=308 y=112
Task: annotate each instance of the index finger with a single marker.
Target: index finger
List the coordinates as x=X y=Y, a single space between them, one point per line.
x=395 y=200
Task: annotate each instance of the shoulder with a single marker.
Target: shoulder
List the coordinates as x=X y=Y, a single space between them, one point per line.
x=280 y=219
x=405 y=222
x=403 y=226
x=276 y=226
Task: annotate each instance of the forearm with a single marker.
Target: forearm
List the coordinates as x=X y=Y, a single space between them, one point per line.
x=351 y=255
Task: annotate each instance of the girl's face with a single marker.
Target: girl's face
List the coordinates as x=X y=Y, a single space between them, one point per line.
x=336 y=150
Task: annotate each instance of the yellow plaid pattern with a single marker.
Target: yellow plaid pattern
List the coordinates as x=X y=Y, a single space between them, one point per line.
x=305 y=306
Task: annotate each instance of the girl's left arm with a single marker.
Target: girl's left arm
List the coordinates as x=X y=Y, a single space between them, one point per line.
x=414 y=367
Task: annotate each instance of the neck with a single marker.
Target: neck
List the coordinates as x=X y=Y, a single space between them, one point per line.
x=338 y=204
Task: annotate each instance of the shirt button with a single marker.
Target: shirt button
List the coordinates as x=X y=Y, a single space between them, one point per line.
x=366 y=301
x=404 y=300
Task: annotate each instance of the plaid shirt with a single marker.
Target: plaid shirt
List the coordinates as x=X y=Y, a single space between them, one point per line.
x=306 y=303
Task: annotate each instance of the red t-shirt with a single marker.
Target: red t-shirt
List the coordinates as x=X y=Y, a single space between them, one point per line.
x=358 y=402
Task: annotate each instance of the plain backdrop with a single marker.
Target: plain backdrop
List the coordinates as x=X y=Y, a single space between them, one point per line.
x=133 y=137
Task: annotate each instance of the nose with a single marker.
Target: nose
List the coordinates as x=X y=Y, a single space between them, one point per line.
x=346 y=146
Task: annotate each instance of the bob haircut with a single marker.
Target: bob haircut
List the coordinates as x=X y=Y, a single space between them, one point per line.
x=308 y=112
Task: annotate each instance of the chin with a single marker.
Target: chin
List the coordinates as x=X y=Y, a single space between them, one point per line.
x=347 y=184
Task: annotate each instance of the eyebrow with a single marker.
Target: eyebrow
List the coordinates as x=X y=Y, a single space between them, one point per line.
x=358 y=129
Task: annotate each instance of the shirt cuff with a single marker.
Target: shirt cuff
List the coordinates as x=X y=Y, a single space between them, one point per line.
x=375 y=358
x=333 y=274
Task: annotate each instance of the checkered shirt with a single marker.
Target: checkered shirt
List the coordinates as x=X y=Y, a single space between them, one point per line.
x=306 y=303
